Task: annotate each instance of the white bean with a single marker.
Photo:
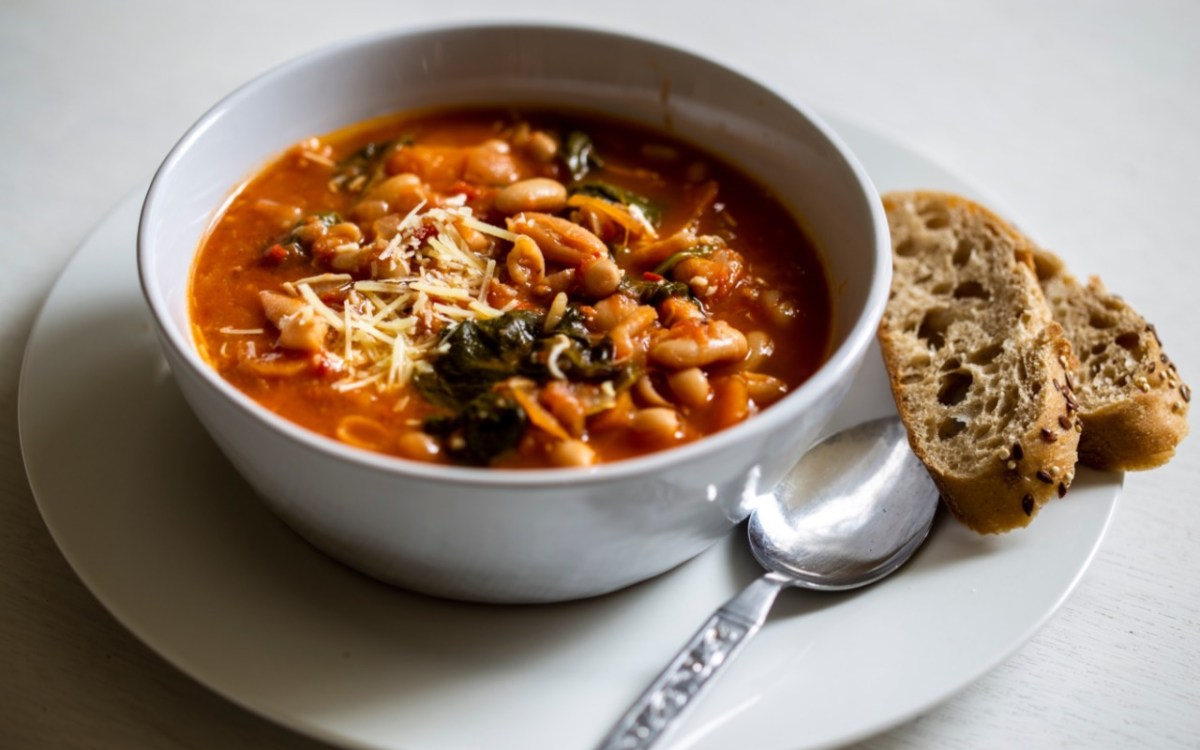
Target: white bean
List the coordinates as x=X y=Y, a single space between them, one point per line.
x=535 y=194
x=612 y=310
x=491 y=163
x=764 y=389
x=760 y=347
x=283 y=214
x=781 y=311
x=686 y=347
x=369 y=210
x=418 y=446
x=690 y=386
x=601 y=277
x=542 y=146
x=402 y=192
x=648 y=394
x=298 y=328
x=659 y=424
x=572 y=453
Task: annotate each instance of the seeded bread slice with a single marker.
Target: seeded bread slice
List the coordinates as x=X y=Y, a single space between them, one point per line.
x=1131 y=400
x=976 y=363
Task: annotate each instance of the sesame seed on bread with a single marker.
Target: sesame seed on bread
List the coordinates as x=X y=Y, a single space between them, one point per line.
x=978 y=367
x=1132 y=402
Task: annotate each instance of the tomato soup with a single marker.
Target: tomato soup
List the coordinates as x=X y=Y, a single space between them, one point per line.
x=509 y=288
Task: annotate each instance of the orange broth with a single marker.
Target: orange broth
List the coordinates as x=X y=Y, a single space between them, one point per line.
x=740 y=280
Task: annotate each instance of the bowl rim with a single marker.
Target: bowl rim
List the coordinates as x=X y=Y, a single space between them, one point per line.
x=841 y=362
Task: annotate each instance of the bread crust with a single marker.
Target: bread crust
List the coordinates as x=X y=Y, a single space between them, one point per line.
x=1133 y=403
x=1007 y=444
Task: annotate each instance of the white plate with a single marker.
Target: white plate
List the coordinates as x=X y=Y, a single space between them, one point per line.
x=170 y=539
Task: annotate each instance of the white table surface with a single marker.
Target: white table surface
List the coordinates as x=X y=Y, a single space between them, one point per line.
x=1082 y=117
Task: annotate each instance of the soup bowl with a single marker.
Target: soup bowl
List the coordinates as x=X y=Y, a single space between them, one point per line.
x=515 y=535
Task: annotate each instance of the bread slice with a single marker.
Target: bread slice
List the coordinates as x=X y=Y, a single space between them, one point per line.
x=1131 y=400
x=977 y=364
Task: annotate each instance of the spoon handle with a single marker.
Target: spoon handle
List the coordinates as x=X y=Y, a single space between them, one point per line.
x=697 y=665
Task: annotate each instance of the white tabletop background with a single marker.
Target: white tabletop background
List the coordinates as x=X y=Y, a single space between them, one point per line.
x=1082 y=117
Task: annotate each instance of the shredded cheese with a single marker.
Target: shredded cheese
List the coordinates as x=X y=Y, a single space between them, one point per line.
x=557 y=308
x=561 y=344
x=326 y=278
x=386 y=329
x=486 y=228
x=441 y=291
x=315 y=305
x=488 y=273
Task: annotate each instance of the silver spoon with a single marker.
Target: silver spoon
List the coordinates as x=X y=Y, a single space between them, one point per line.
x=853 y=510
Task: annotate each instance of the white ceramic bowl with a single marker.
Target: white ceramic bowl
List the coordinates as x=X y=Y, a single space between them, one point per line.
x=515 y=536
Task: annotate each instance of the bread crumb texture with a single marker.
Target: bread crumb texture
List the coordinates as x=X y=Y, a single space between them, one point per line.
x=978 y=367
x=1133 y=402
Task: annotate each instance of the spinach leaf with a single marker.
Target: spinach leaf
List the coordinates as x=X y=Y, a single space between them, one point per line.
x=290 y=246
x=477 y=354
x=653 y=292
x=579 y=154
x=480 y=353
x=492 y=424
x=593 y=363
x=365 y=166
x=328 y=218
x=699 y=251
x=489 y=425
x=583 y=358
x=572 y=323
x=632 y=201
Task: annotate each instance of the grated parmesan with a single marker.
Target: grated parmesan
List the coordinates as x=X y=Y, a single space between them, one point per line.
x=561 y=344
x=387 y=329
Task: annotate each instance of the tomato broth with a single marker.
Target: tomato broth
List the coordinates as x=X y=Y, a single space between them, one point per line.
x=509 y=288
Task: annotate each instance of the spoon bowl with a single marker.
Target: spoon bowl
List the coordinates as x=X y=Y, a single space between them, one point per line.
x=849 y=513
